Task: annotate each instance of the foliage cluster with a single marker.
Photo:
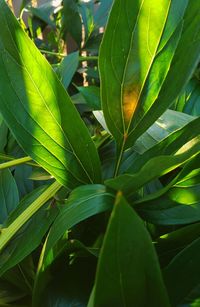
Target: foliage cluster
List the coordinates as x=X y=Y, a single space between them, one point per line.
x=100 y=154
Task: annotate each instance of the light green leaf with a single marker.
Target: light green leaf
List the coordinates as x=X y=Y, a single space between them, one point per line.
x=128 y=272
x=39 y=112
x=9 y=197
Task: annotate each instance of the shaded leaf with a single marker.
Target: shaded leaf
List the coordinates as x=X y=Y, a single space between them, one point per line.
x=84 y=202
x=9 y=197
x=129 y=262
x=182 y=274
x=92 y=96
x=72 y=20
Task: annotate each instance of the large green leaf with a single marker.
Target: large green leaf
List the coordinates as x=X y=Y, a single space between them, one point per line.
x=84 y=202
x=128 y=272
x=137 y=73
x=30 y=235
x=9 y=196
x=39 y=112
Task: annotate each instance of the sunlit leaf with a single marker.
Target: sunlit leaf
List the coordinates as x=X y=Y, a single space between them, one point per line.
x=39 y=112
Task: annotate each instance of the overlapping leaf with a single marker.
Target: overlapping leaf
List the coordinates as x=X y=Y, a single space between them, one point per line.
x=39 y=112
x=175 y=150
x=84 y=202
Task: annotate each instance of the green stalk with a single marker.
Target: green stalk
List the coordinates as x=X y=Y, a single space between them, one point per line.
x=15 y=162
x=61 y=55
x=10 y=231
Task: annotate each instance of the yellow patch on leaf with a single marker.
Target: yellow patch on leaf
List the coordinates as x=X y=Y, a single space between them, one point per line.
x=130 y=101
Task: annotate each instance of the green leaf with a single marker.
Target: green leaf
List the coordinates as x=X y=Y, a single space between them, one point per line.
x=167 y=123
x=172 y=83
x=46 y=10
x=182 y=274
x=126 y=56
x=138 y=74
x=35 y=97
x=175 y=150
x=189 y=101
x=178 y=202
x=128 y=272
x=30 y=235
x=84 y=202
x=92 y=96
x=9 y=197
x=169 y=145
x=155 y=167
x=3 y=134
x=101 y=14
x=72 y=21
x=67 y=68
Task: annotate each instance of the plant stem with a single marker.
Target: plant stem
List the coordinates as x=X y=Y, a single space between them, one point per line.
x=81 y=58
x=11 y=230
x=15 y=162
x=120 y=157
x=62 y=55
x=88 y=58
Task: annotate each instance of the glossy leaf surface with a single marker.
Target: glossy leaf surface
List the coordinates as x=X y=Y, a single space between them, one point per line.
x=61 y=143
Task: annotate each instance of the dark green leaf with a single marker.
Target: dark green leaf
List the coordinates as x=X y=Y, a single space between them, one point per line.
x=182 y=274
x=46 y=10
x=84 y=202
x=9 y=197
x=128 y=272
x=67 y=68
x=92 y=96
x=3 y=134
x=72 y=20
x=63 y=146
